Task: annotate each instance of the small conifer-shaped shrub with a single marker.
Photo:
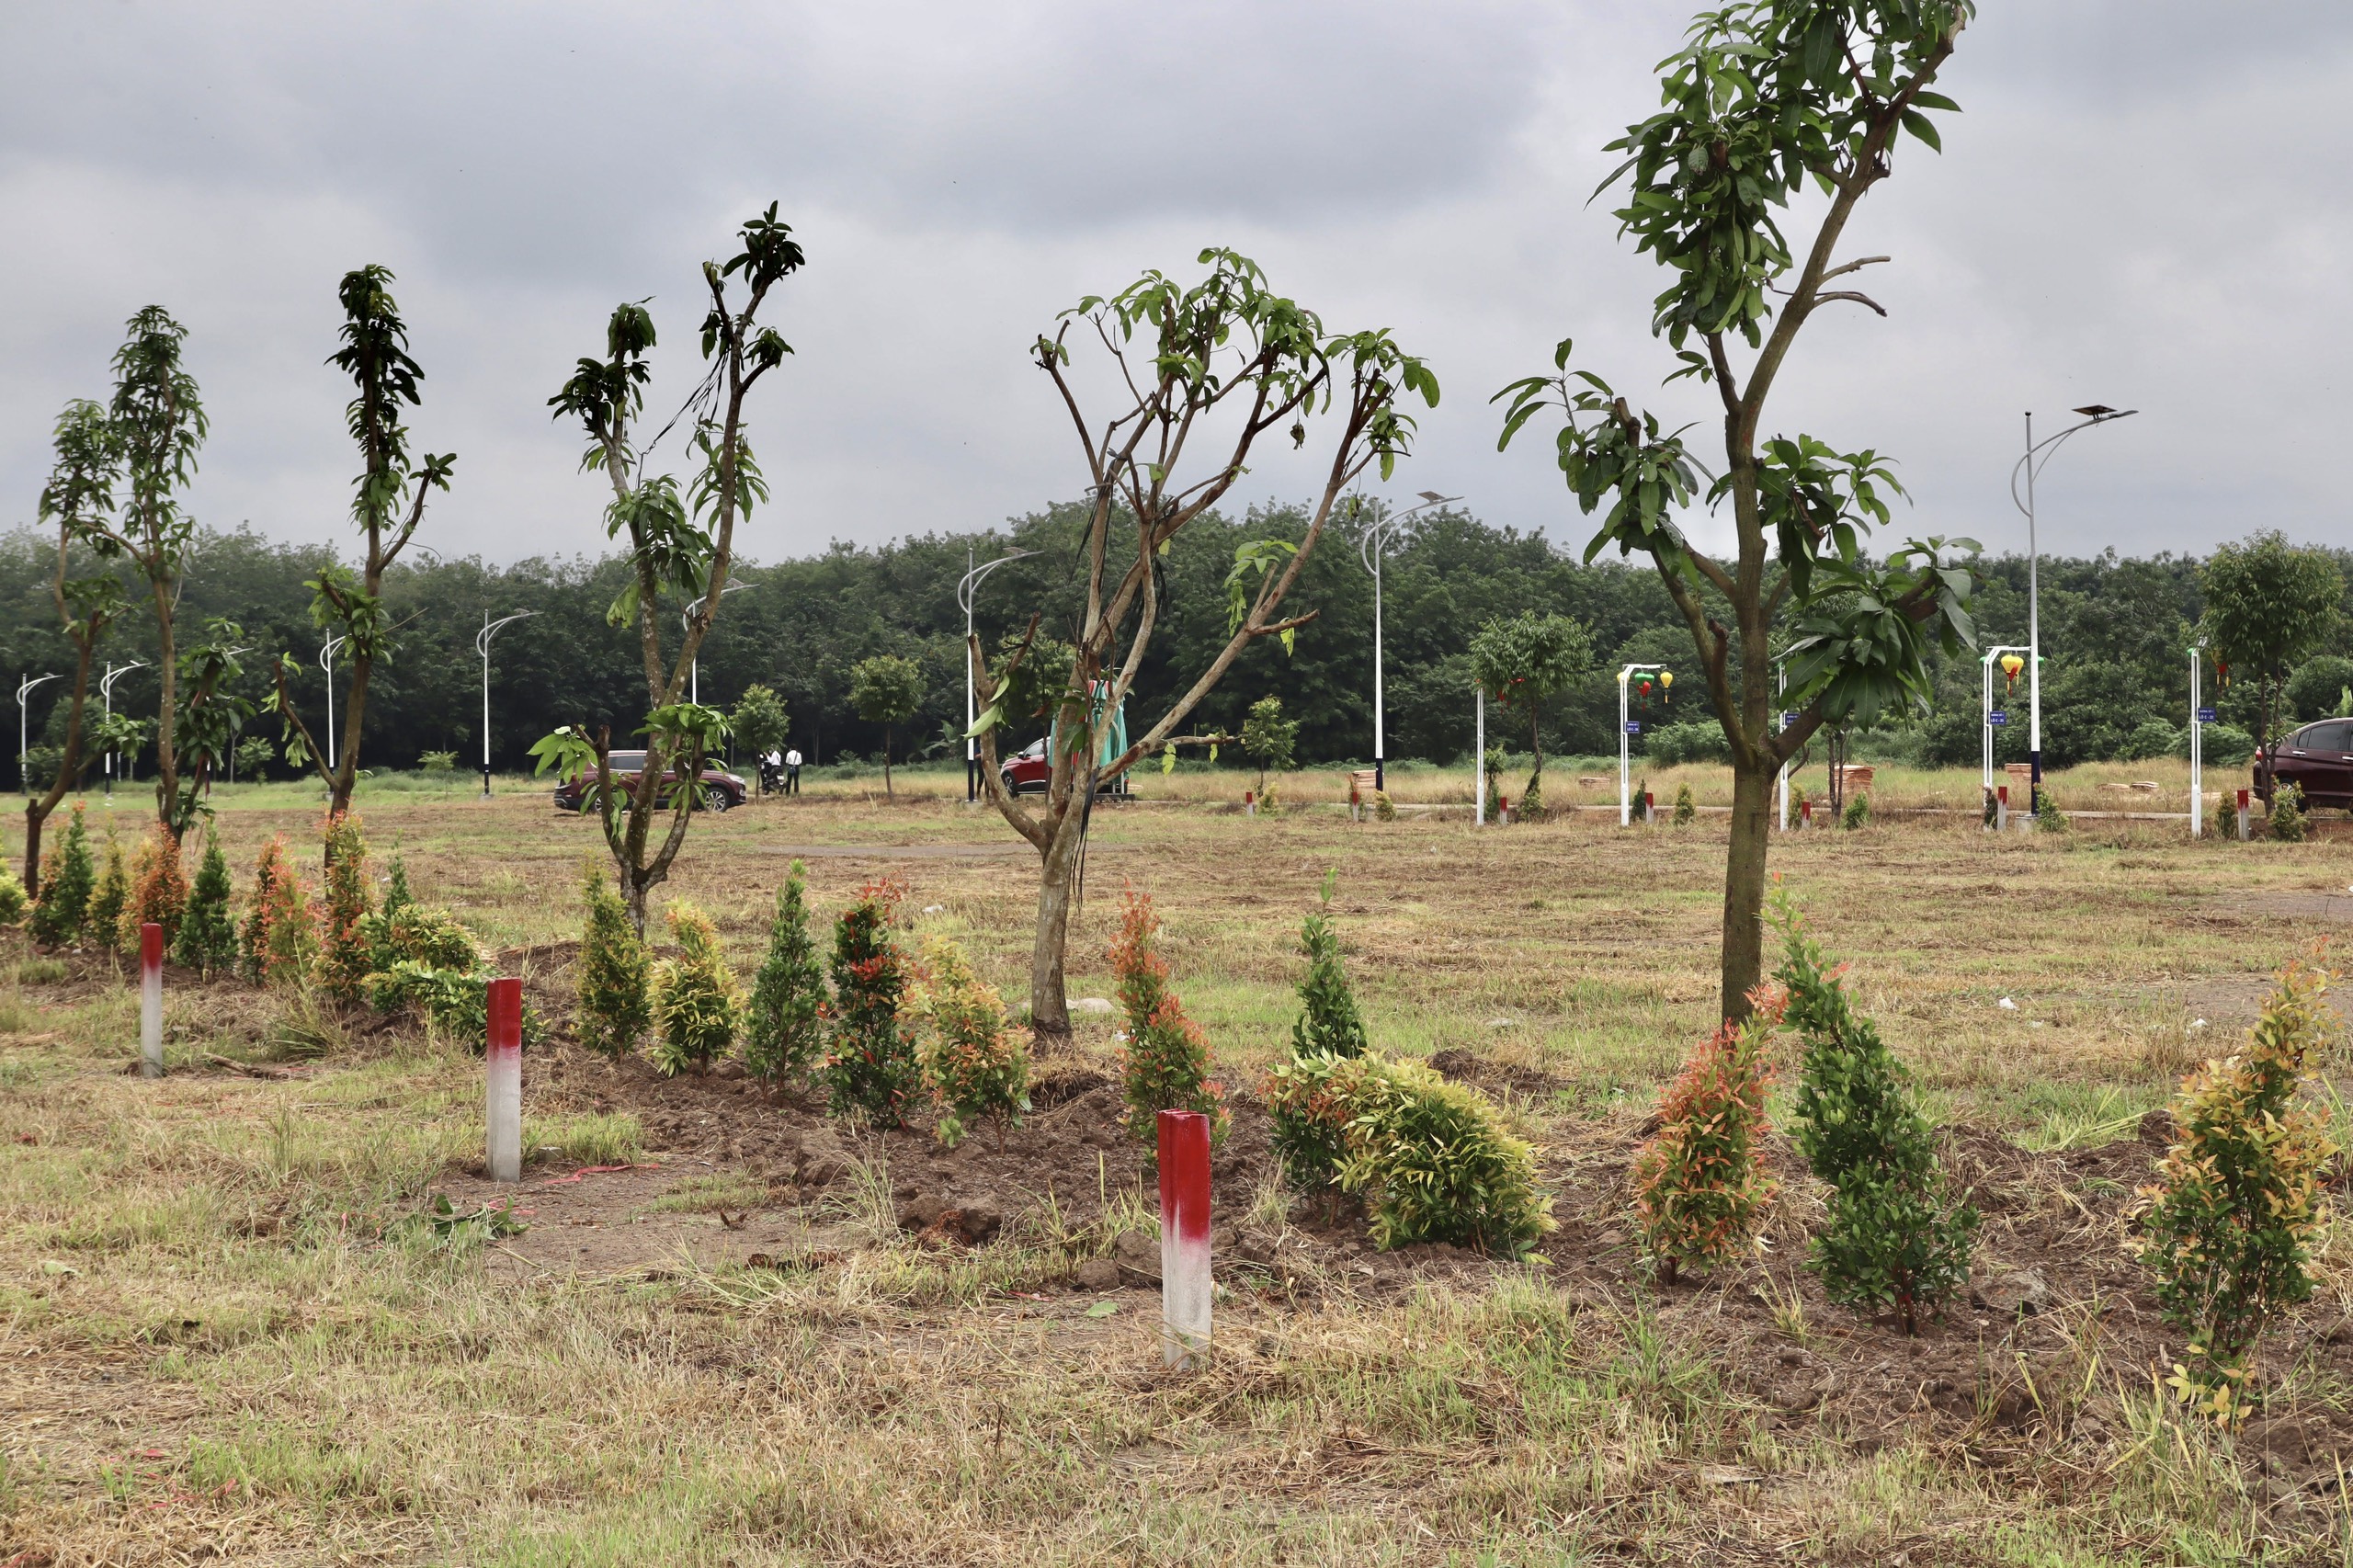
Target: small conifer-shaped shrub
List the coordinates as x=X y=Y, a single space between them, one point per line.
x=1699 y=1189
x=978 y=1066
x=1531 y=804
x=696 y=1003
x=1687 y=809
x=207 y=941
x=1896 y=1237
x=66 y=886
x=2229 y=1225
x=396 y=894
x=1328 y=1022
x=871 y=1066
x=784 y=1032
x=346 y=952
x=1857 y=814
x=261 y=905
x=104 y=915
x=15 y=907
x=2048 y=817
x=1383 y=807
x=615 y=1005
x=1164 y=1064
x=158 y=892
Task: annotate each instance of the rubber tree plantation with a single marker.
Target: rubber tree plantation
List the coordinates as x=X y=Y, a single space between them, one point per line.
x=679 y=546
x=1765 y=103
x=1195 y=375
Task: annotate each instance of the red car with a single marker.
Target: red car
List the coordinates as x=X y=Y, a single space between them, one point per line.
x=721 y=789
x=2317 y=759
x=1027 y=772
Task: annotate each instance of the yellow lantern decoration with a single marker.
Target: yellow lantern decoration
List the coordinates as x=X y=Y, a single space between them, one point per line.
x=2011 y=665
x=1667 y=685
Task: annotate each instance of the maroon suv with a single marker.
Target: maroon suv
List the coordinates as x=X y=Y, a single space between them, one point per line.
x=2317 y=759
x=721 y=790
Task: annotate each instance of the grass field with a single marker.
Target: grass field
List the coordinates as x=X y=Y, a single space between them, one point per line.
x=232 y=1331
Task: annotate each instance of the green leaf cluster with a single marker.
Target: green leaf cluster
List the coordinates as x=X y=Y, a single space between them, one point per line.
x=784 y=1032
x=1895 y=1237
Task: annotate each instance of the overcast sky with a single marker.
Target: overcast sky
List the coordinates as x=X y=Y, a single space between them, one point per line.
x=2145 y=204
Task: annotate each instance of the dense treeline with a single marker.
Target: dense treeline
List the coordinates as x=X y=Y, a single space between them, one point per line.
x=2116 y=632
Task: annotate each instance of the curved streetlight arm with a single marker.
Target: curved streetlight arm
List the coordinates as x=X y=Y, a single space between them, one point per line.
x=970 y=583
x=481 y=645
x=25 y=685
x=2048 y=447
x=1368 y=547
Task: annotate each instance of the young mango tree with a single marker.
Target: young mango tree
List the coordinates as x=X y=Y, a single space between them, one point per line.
x=1526 y=661
x=1767 y=99
x=158 y=424
x=388 y=503
x=2268 y=607
x=1222 y=363
x=887 y=690
x=80 y=491
x=680 y=546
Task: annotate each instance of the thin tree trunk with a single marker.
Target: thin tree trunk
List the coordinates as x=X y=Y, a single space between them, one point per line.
x=346 y=773
x=167 y=761
x=888 y=793
x=1058 y=875
x=1743 y=929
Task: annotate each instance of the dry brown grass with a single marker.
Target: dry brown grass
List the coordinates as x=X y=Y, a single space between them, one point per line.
x=222 y=1343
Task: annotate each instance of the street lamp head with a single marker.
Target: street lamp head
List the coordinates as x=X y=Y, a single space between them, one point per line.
x=2100 y=414
x=1433 y=497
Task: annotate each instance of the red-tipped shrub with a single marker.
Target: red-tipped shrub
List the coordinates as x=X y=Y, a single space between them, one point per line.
x=1166 y=1063
x=1699 y=1191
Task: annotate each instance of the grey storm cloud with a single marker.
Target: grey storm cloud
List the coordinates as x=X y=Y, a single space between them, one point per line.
x=2144 y=203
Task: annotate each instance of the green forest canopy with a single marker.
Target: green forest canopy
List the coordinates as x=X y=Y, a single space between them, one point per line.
x=2115 y=635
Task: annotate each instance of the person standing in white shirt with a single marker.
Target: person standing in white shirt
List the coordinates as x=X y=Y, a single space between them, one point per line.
x=793 y=771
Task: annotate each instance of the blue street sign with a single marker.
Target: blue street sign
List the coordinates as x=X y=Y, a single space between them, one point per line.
x=1997 y=717
x=2205 y=715
x=1633 y=726
x=1787 y=720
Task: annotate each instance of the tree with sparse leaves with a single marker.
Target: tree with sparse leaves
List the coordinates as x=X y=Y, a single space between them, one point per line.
x=1224 y=363
x=1767 y=100
x=680 y=546
x=887 y=690
x=1523 y=662
x=388 y=505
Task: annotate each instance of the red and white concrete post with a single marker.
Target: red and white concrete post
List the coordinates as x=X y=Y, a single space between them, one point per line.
x=1184 y=1237
x=151 y=1000
x=504 y=1068
x=2246 y=828
x=2001 y=808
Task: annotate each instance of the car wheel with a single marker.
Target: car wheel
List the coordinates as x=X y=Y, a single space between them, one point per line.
x=715 y=798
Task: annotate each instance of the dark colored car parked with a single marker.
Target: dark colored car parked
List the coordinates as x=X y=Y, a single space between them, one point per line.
x=721 y=790
x=2317 y=759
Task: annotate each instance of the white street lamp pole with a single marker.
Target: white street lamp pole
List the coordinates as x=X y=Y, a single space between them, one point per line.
x=1369 y=549
x=2197 y=742
x=1626 y=727
x=106 y=693
x=686 y=620
x=24 y=735
x=1479 y=765
x=481 y=645
x=2096 y=413
x=1985 y=725
x=326 y=664
x=967 y=585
